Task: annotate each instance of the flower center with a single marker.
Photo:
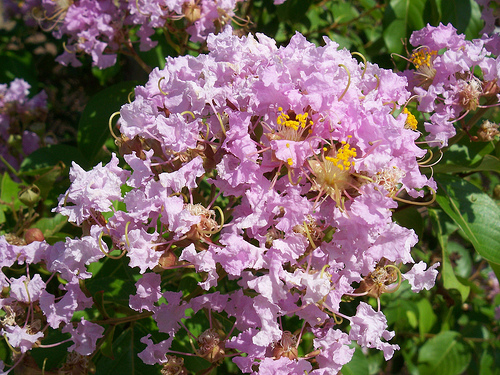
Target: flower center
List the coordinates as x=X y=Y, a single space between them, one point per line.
x=332 y=172
x=411 y=121
x=292 y=126
x=423 y=59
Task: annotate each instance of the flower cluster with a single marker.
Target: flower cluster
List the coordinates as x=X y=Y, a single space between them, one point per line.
x=445 y=78
x=272 y=170
x=21 y=121
x=490 y=14
x=102 y=29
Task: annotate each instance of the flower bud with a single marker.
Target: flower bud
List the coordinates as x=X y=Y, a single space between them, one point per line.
x=30 y=196
x=191 y=11
x=174 y=366
x=32 y=235
x=496 y=192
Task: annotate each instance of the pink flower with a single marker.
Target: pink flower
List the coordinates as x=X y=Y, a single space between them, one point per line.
x=148 y=292
x=419 y=278
x=84 y=336
x=369 y=327
x=92 y=191
x=20 y=337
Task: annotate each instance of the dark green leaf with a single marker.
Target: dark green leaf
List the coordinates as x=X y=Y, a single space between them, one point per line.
x=400 y=19
x=411 y=218
x=465 y=15
x=18 y=64
x=9 y=190
x=444 y=354
x=107 y=345
x=358 y=364
x=426 y=317
x=463 y=261
x=443 y=228
x=51 y=225
x=44 y=159
x=93 y=128
x=125 y=349
x=53 y=356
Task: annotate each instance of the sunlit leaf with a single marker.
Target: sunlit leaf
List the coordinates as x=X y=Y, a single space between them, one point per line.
x=444 y=354
x=474 y=212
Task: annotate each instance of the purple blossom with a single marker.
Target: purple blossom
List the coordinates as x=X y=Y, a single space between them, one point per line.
x=306 y=160
x=368 y=327
x=444 y=78
x=91 y=191
x=84 y=336
x=148 y=292
x=420 y=278
x=21 y=337
x=19 y=115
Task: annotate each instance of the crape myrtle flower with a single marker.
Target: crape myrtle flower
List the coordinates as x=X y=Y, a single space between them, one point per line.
x=21 y=122
x=276 y=168
x=309 y=148
x=30 y=309
x=104 y=28
x=490 y=13
x=444 y=81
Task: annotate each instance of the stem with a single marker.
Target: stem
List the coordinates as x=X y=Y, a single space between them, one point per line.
x=9 y=167
x=125 y=319
x=472 y=121
x=138 y=59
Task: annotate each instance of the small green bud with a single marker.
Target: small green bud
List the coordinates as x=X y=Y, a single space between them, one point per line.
x=30 y=195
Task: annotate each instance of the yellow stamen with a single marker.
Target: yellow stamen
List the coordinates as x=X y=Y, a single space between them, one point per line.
x=411 y=122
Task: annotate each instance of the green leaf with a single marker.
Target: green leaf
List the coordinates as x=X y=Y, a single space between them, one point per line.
x=358 y=365
x=463 y=262
x=93 y=127
x=51 y=225
x=444 y=354
x=477 y=215
x=496 y=268
x=393 y=34
x=402 y=313
x=400 y=19
x=411 y=218
x=18 y=64
x=443 y=229
x=107 y=345
x=115 y=278
x=426 y=317
x=44 y=159
x=47 y=177
x=52 y=356
x=125 y=349
x=465 y=15
x=9 y=190
x=468 y=157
